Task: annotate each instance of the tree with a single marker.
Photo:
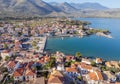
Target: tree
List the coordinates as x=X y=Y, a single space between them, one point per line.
x=34 y=44
x=78 y=54
x=4 y=69
x=79 y=77
x=67 y=64
x=7 y=58
x=5 y=46
x=93 y=63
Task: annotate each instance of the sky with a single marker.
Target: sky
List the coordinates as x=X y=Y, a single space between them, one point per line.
x=108 y=3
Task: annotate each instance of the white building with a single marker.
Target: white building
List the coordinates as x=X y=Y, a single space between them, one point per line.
x=6 y=53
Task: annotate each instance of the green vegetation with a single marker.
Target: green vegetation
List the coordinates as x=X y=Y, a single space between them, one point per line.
x=7 y=58
x=5 y=46
x=49 y=64
x=68 y=64
x=79 y=77
x=34 y=43
x=78 y=54
x=4 y=69
x=74 y=22
x=93 y=31
x=93 y=63
x=114 y=70
x=10 y=80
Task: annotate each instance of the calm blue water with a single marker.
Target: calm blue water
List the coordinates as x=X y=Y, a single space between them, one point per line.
x=95 y=46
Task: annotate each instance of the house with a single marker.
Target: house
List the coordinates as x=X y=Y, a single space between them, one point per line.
x=29 y=65
x=109 y=76
x=108 y=64
x=69 y=58
x=30 y=75
x=19 y=74
x=94 y=77
x=56 y=77
x=60 y=67
x=71 y=72
x=13 y=65
x=118 y=76
x=99 y=61
x=85 y=68
x=5 y=53
x=87 y=61
x=115 y=64
x=59 y=57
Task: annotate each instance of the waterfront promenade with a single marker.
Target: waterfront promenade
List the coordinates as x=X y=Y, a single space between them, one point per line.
x=42 y=44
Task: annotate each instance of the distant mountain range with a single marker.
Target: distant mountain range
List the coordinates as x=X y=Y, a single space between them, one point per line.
x=28 y=8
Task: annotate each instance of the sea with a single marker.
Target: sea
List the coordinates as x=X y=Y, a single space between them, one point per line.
x=91 y=46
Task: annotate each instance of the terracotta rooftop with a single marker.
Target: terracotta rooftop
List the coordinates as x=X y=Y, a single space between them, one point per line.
x=12 y=64
x=85 y=66
x=69 y=69
x=99 y=60
x=56 y=77
x=18 y=72
x=96 y=75
x=29 y=72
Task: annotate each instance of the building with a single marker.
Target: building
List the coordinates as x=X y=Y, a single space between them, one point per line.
x=99 y=61
x=30 y=75
x=56 y=77
x=87 y=61
x=109 y=76
x=19 y=74
x=13 y=65
x=94 y=77
x=85 y=68
x=5 y=53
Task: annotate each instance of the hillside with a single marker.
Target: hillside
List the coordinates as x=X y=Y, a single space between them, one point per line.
x=31 y=8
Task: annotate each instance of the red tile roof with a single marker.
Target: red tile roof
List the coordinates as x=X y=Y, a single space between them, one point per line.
x=29 y=72
x=11 y=64
x=85 y=66
x=68 y=69
x=18 y=72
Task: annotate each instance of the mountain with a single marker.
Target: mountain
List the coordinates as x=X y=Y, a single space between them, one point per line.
x=31 y=8
x=65 y=7
x=26 y=7
x=88 y=5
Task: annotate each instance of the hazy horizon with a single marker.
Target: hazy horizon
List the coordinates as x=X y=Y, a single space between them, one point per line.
x=107 y=3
